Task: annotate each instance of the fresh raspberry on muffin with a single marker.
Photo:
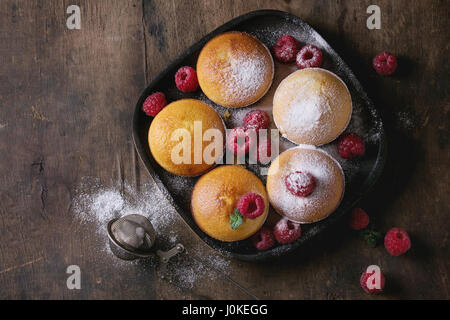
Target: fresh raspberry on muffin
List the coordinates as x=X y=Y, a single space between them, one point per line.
x=251 y=205
x=154 y=104
x=359 y=219
x=385 y=63
x=300 y=184
x=397 y=241
x=364 y=281
x=286 y=48
x=351 y=146
x=239 y=140
x=309 y=57
x=256 y=119
x=186 y=79
x=263 y=239
x=286 y=231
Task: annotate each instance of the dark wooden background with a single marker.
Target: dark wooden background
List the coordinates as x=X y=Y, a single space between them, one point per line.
x=66 y=102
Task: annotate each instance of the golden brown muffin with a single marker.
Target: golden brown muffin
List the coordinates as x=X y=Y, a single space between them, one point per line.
x=215 y=196
x=235 y=69
x=312 y=106
x=164 y=144
x=326 y=195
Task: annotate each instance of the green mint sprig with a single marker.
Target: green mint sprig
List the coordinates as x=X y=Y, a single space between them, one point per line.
x=235 y=219
x=372 y=237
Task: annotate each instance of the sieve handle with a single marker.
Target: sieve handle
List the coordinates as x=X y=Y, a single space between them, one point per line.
x=166 y=255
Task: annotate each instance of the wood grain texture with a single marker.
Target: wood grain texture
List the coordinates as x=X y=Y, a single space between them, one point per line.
x=66 y=102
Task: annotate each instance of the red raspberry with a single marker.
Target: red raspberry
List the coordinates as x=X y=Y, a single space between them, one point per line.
x=300 y=184
x=263 y=239
x=286 y=231
x=397 y=241
x=256 y=119
x=350 y=146
x=154 y=104
x=363 y=281
x=385 y=63
x=286 y=48
x=186 y=79
x=239 y=140
x=251 y=205
x=309 y=57
x=359 y=219
x=264 y=150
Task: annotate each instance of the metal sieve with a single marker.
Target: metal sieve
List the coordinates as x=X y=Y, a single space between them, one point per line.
x=133 y=236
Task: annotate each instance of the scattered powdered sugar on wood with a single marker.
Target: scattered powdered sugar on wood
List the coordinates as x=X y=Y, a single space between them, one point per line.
x=96 y=204
x=187 y=270
x=406 y=120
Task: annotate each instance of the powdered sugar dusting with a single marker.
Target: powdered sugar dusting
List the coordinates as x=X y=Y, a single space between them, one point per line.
x=188 y=270
x=96 y=204
x=405 y=120
x=298 y=180
x=305 y=112
x=243 y=77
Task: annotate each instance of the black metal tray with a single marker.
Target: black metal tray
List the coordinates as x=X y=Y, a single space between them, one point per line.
x=361 y=174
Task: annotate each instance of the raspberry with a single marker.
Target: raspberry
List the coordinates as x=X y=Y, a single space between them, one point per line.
x=256 y=119
x=286 y=48
x=397 y=241
x=154 y=104
x=300 y=184
x=359 y=219
x=186 y=79
x=309 y=57
x=263 y=239
x=286 y=231
x=363 y=281
x=350 y=146
x=251 y=205
x=385 y=63
x=239 y=141
x=264 y=150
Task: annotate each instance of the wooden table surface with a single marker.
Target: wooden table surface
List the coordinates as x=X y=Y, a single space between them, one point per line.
x=66 y=103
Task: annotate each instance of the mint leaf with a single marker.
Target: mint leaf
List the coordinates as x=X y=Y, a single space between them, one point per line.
x=372 y=242
x=372 y=237
x=235 y=219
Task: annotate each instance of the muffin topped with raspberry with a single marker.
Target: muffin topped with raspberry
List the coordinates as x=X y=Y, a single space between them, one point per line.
x=305 y=184
x=229 y=203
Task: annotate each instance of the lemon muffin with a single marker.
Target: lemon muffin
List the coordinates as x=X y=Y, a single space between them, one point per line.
x=312 y=106
x=305 y=184
x=235 y=69
x=174 y=149
x=218 y=193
